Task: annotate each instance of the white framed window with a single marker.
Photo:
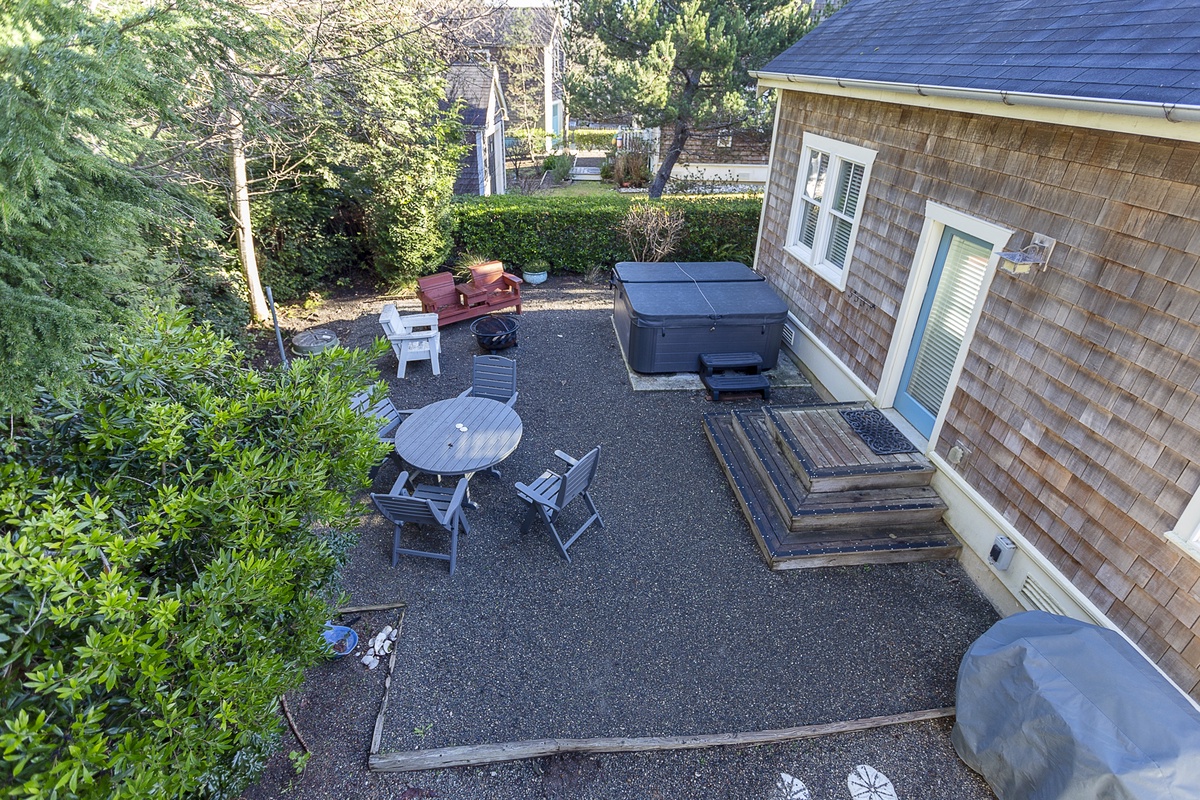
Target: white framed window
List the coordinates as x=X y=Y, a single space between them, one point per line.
x=725 y=139
x=826 y=208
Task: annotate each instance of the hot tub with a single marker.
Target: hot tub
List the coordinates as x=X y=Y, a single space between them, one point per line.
x=682 y=272
x=665 y=326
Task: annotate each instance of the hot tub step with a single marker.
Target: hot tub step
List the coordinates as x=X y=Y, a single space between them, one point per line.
x=735 y=382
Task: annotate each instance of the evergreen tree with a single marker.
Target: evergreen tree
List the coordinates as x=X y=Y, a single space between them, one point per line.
x=91 y=222
x=681 y=66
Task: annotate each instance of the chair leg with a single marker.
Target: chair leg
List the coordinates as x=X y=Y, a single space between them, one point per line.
x=595 y=511
x=453 y=545
x=561 y=545
x=529 y=518
x=433 y=360
x=396 y=546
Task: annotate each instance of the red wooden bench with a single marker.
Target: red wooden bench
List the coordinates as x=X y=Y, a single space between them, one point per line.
x=490 y=289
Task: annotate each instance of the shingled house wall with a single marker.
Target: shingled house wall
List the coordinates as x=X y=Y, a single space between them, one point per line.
x=1079 y=396
x=745 y=147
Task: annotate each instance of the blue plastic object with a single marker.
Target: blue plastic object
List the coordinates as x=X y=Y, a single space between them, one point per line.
x=341 y=640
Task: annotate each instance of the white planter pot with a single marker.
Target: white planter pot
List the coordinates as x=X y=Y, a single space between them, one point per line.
x=534 y=277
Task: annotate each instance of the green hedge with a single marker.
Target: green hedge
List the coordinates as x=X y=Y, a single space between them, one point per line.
x=576 y=234
x=593 y=139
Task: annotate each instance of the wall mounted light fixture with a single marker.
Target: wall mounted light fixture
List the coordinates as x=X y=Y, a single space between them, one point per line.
x=1035 y=254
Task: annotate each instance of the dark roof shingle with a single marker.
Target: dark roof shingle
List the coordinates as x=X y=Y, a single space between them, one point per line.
x=1142 y=50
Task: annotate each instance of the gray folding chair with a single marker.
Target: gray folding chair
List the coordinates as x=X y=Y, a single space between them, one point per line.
x=494 y=377
x=385 y=415
x=551 y=493
x=426 y=505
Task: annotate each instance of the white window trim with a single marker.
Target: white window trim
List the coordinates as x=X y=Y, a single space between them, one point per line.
x=1186 y=534
x=937 y=218
x=838 y=152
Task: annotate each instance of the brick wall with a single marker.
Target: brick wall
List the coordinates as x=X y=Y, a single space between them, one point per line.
x=1079 y=396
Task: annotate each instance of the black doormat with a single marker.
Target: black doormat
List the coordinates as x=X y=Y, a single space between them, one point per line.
x=881 y=436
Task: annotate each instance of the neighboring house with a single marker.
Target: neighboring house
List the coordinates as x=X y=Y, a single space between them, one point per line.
x=483 y=115
x=732 y=156
x=526 y=42
x=915 y=142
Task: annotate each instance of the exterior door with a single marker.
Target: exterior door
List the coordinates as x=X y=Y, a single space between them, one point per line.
x=954 y=283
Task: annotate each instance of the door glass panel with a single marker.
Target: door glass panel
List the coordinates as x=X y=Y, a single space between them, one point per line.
x=954 y=285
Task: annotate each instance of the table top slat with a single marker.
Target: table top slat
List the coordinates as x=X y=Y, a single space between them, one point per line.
x=429 y=441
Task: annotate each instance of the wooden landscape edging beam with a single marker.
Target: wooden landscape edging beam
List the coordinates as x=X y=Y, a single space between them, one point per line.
x=474 y=755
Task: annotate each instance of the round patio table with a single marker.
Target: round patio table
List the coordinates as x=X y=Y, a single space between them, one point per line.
x=458 y=436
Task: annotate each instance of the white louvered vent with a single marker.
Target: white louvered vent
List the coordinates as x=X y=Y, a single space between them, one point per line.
x=1037 y=596
x=789 y=335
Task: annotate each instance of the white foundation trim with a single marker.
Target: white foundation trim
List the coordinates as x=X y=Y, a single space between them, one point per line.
x=827 y=368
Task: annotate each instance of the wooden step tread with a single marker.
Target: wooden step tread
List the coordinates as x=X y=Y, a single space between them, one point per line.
x=783 y=548
x=853 y=507
x=829 y=456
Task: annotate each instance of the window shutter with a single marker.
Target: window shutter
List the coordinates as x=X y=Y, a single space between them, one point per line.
x=949 y=315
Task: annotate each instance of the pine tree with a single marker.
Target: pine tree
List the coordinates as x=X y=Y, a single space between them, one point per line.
x=681 y=66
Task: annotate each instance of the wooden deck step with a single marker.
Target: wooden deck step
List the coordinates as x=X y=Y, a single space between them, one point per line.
x=783 y=548
x=804 y=510
x=829 y=456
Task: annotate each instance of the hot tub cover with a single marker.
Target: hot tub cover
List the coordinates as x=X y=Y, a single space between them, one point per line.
x=683 y=272
x=682 y=305
x=1052 y=708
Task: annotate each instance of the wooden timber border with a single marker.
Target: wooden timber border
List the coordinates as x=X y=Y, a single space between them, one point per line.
x=475 y=755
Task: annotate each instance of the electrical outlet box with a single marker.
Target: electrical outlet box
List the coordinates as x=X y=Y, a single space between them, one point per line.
x=1001 y=555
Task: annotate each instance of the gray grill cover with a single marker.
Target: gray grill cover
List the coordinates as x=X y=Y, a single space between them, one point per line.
x=682 y=272
x=1053 y=708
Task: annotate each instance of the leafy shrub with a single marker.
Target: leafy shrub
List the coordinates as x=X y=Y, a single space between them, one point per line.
x=168 y=541
x=305 y=238
x=578 y=233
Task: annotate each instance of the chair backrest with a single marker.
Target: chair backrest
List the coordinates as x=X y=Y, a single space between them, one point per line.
x=400 y=508
x=494 y=377
x=389 y=319
x=385 y=412
x=419 y=323
x=437 y=291
x=578 y=478
x=489 y=275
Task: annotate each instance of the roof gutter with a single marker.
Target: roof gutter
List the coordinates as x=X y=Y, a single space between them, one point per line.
x=1127 y=108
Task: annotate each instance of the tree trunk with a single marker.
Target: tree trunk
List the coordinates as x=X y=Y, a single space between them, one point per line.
x=241 y=219
x=678 y=138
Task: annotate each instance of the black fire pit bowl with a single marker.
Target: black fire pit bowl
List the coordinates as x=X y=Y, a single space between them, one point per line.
x=496 y=332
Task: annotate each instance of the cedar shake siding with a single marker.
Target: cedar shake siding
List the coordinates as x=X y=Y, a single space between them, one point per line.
x=745 y=147
x=1080 y=397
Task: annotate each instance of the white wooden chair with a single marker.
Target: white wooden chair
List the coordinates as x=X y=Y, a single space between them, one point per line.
x=414 y=337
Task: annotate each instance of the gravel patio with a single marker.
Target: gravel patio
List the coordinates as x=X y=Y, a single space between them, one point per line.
x=666 y=623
